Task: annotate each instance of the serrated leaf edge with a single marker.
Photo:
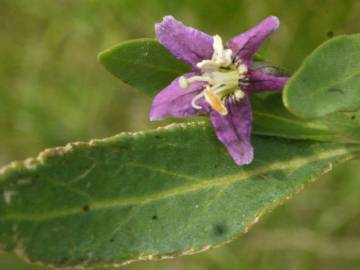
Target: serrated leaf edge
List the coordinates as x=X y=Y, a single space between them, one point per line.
x=33 y=162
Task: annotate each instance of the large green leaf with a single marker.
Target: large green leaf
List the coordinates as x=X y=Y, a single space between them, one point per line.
x=328 y=81
x=148 y=66
x=148 y=195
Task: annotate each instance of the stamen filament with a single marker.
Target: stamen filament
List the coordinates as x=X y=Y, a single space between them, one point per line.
x=195 y=99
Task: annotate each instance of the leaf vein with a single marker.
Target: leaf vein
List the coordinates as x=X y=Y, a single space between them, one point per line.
x=206 y=184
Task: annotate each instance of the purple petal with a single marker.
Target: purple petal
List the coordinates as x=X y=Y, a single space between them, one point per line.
x=173 y=101
x=260 y=81
x=246 y=44
x=234 y=130
x=186 y=43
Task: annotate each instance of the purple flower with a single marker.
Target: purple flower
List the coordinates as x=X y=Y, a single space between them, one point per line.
x=220 y=83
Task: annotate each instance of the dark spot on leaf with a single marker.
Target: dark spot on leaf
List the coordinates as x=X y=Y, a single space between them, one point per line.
x=157 y=136
x=112 y=240
x=338 y=90
x=353 y=117
x=86 y=208
x=154 y=217
x=330 y=34
x=219 y=229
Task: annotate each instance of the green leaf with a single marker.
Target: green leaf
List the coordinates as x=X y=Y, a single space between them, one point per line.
x=272 y=118
x=328 y=81
x=136 y=196
x=346 y=126
x=143 y=63
x=136 y=62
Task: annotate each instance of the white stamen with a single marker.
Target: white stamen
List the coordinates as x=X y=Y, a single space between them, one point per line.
x=217 y=45
x=203 y=78
x=220 y=58
x=242 y=70
x=219 y=75
x=238 y=94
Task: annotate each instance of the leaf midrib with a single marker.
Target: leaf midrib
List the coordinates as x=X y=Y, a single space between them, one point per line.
x=203 y=184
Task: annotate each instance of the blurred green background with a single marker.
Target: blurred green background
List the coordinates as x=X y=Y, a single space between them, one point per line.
x=53 y=90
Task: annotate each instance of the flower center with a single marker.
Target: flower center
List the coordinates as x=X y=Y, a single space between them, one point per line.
x=221 y=76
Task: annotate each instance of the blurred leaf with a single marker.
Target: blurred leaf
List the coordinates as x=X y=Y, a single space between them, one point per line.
x=328 y=81
x=147 y=65
x=148 y=195
x=272 y=118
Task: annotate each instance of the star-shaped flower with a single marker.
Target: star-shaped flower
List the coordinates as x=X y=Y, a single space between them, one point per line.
x=221 y=81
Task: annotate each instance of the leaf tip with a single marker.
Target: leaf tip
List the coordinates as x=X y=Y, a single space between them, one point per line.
x=101 y=56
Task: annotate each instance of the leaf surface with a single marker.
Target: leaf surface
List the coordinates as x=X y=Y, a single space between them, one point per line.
x=143 y=63
x=148 y=195
x=272 y=118
x=328 y=81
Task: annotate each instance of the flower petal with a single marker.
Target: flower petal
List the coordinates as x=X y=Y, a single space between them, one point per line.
x=261 y=81
x=173 y=101
x=234 y=130
x=246 y=44
x=186 y=43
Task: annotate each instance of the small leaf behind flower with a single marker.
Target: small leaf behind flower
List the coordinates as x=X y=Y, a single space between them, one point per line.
x=143 y=63
x=148 y=195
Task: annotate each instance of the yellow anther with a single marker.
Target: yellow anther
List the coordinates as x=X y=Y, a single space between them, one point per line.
x=215 y=101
